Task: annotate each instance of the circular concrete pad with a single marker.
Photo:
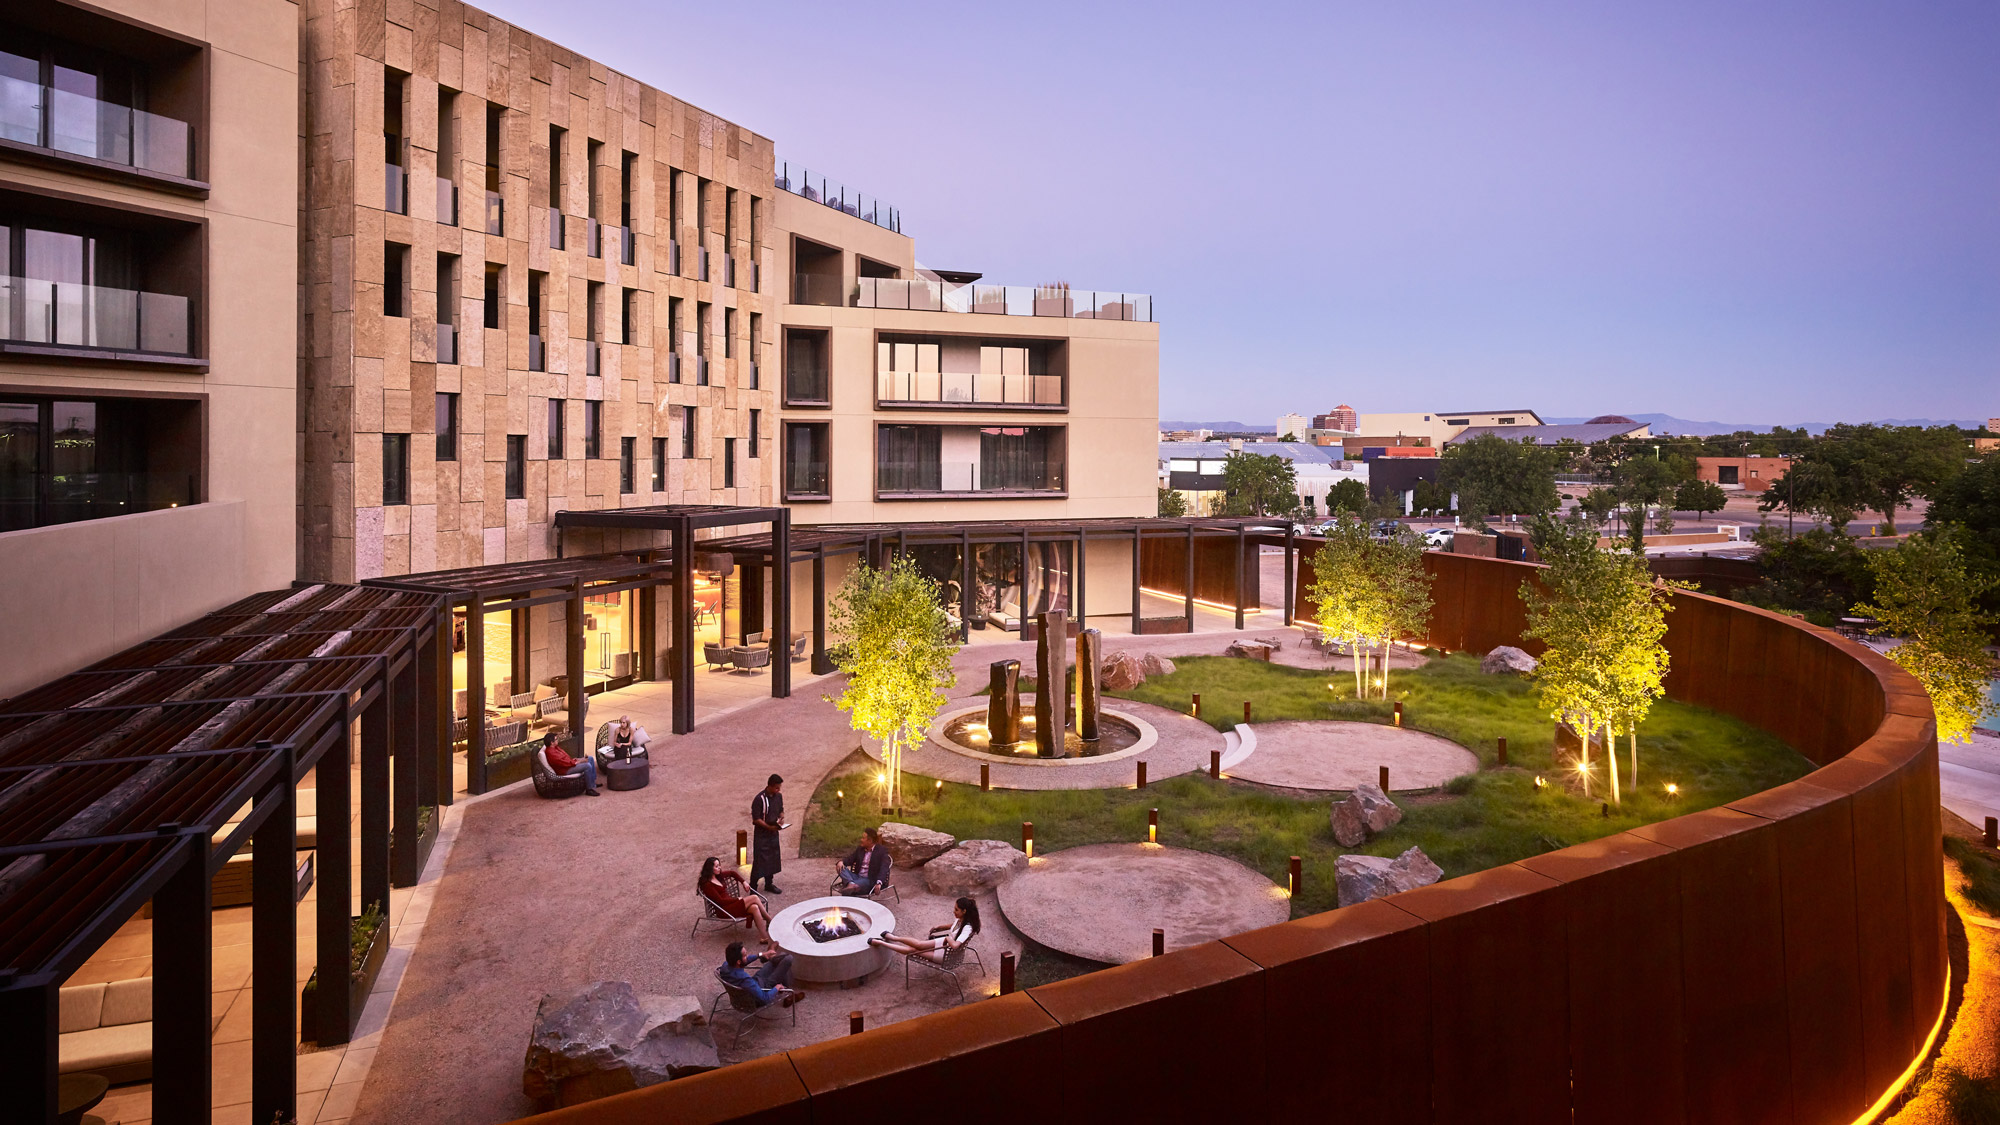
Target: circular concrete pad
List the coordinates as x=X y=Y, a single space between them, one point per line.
x=1102 y=901
x=1328 y=755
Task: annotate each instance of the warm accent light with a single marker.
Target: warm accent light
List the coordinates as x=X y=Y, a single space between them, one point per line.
x=1541 y=782
x=1028 y=838
x=1673 y=790
x=1296 y=877
x=1153 y=827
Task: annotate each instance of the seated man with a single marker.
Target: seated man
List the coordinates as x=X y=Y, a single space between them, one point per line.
x=562 y=765
x=772 y=982
x=865 y=867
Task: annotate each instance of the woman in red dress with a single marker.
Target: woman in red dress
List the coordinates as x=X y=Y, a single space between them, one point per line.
x=727 y=892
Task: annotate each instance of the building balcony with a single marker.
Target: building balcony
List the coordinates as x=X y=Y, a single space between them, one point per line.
x=931 y=388
x=819 y=189
x=817 y=289
x=447 y=202
x=806 y=480
x=68 y=315
x=75 y=125
x=924 y=295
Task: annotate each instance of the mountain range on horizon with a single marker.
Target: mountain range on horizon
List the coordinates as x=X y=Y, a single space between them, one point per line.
x=1661 y=423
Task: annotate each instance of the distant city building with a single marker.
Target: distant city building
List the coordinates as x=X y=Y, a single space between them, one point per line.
x=1186 y=435
x=1195 y=470
x=1342 y=417
x=1749 y=474
x=1597 y=429
x=1292 y=426
x=1441 y=426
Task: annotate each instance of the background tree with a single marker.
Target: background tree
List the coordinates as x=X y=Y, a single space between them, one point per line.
x=1700 y=497
x=1971 y=500
x=896 y=650
x=1260 y=484
x=1172 y=502
x=1827 y=488
x=1491 y=474
x=1899 y=463
x=1643 y=482
x=1818 y=575
x=1925 y=594
x=1347 y=495
x=1401 y=588
x=1428 y=496
x=1598 y=504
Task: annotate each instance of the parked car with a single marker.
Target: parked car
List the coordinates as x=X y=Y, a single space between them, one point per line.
x=1387 y=529
x=1438 y=538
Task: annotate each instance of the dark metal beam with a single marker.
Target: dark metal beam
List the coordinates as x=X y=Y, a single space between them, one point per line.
x=404 y=723
x=183 y=974
x=573 y=648
x=333 y=872
x=274 y=1063
x=375 y=802
x=781 y=605
x=28 y=1037
x=475 y=696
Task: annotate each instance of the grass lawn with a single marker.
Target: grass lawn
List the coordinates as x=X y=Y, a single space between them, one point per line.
x=1492 y=817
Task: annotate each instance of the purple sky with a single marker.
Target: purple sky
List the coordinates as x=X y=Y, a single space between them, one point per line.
x=1757 y=212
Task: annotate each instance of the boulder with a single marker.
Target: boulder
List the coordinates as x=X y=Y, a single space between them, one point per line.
x=1121 y=672
x=607 y=1039
x=1507 y=658
x=974 y=866
x=1359 y=878
x=1365 y=813
x=1153 y=664
x=1249 y=650
x=911 y=847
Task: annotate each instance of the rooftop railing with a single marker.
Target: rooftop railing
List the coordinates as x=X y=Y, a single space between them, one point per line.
x=93 y=316
x=819 y=189
x=34 y=114
x=923 y=295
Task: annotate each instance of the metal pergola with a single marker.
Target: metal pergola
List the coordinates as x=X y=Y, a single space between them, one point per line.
x=119 y=785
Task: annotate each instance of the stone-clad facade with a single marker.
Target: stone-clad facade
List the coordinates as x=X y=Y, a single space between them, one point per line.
x=401 y=81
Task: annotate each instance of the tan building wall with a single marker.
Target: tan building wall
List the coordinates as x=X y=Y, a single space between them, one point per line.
x=366 y=374
x=1442 y=427
x=1111 y=418
x=77 y=592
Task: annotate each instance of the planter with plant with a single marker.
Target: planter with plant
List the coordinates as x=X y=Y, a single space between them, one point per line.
x=368 y=946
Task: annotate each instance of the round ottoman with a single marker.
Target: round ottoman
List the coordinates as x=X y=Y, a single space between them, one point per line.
x=627 y=774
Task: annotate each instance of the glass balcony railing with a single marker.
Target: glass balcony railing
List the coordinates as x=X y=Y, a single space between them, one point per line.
x=817 y=289
x=556 y=240
x=447 y=346
x=628 y=246
x=673 y=367
x=75 y=497
x=701 y=371
x=923 y=295
x=756 y=382
x=447 y=201
x=395 y=189
x=495 y=213
x=673 y=257
x=756 y=277
x=590 y=351
x=78 y=125
x=729 y=271
x=806 y=386
x=819 y=189
x=93 y=316
x=965 y=477
x=537 y=359
x=982 y=389
x=701 y=263
x=593 y=242
x=805 y=478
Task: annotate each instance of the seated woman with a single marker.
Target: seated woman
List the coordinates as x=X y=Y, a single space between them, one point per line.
x=623 y=738
x=964 y=924
x=728 y=893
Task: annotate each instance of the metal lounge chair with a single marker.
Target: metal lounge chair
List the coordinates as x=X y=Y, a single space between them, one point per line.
x=715 y=656
x=952 y=965
x=746 y=1005
x=714 y=916
x=886 y=885
x=750 y=660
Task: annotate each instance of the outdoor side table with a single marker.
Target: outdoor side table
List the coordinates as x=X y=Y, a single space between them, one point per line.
x=631 y=773
x=76 y=1093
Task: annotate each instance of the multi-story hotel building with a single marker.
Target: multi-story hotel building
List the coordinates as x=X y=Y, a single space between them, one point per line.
x=530 y=283
x=147 y=310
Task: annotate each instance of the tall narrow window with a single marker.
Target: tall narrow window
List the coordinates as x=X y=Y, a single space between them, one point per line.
x=628 y=164
x=517 y=466
x=495 y=215
x=756 y=425
x=491 y=312
x=447 y=308
x=447 y=427
x=538 y=311
x=659 y=464
x=674 y=328
x=395 y=193
x=395 y=279
x=395 y=469
x=628 y=456
x=593 y=324
x=592 y=155
x=756 y=379
x=703 y=314
x=447 y=146
x=728 y=333
x=556 y=446
x=729 y=462
x=558 y=137
x=628 y=317
x=687 y=433
x=593 y=428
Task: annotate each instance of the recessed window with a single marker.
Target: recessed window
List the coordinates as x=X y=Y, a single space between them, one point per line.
x=593 y=429
x=728 y=333
x=805 y=460
x=659 y=464
x=395 y=279
x=628 y=457
x=65 y=461
x=756 y=420
x=729 y=462
x=395 y=469
x=492 y=295
x=517 y=466
x=557 y=450
x=687 y=433
x=628 y=317
x=447 y=427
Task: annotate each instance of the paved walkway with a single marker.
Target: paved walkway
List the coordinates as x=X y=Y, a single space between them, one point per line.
x=1339 y=756
x=549 y=896
x=1969 y=777
x=1101 y=902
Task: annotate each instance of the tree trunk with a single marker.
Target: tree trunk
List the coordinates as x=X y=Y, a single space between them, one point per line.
x=1635 y=755
x=1589 y=731
x=1611 y=760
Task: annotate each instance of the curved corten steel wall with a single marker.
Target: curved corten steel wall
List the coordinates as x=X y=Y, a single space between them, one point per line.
x=1778 y=959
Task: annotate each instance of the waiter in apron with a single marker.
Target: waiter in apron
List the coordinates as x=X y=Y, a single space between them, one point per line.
x=767 y=817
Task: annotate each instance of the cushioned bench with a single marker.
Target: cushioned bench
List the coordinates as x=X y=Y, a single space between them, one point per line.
x=107 y=1029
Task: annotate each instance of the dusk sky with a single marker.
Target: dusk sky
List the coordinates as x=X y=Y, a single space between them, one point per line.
x=1725 y=211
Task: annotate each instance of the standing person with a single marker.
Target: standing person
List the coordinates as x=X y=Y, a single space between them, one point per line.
x=767 y=818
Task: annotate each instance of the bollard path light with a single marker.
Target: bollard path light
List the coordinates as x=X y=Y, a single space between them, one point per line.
x=742 y=847
x=1153 y=827
x=1159 y=942
x=985 y=778
x=1297 y=877
x=1028 y=838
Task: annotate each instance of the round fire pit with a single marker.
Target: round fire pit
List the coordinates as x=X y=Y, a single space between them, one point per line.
x=828 y=937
